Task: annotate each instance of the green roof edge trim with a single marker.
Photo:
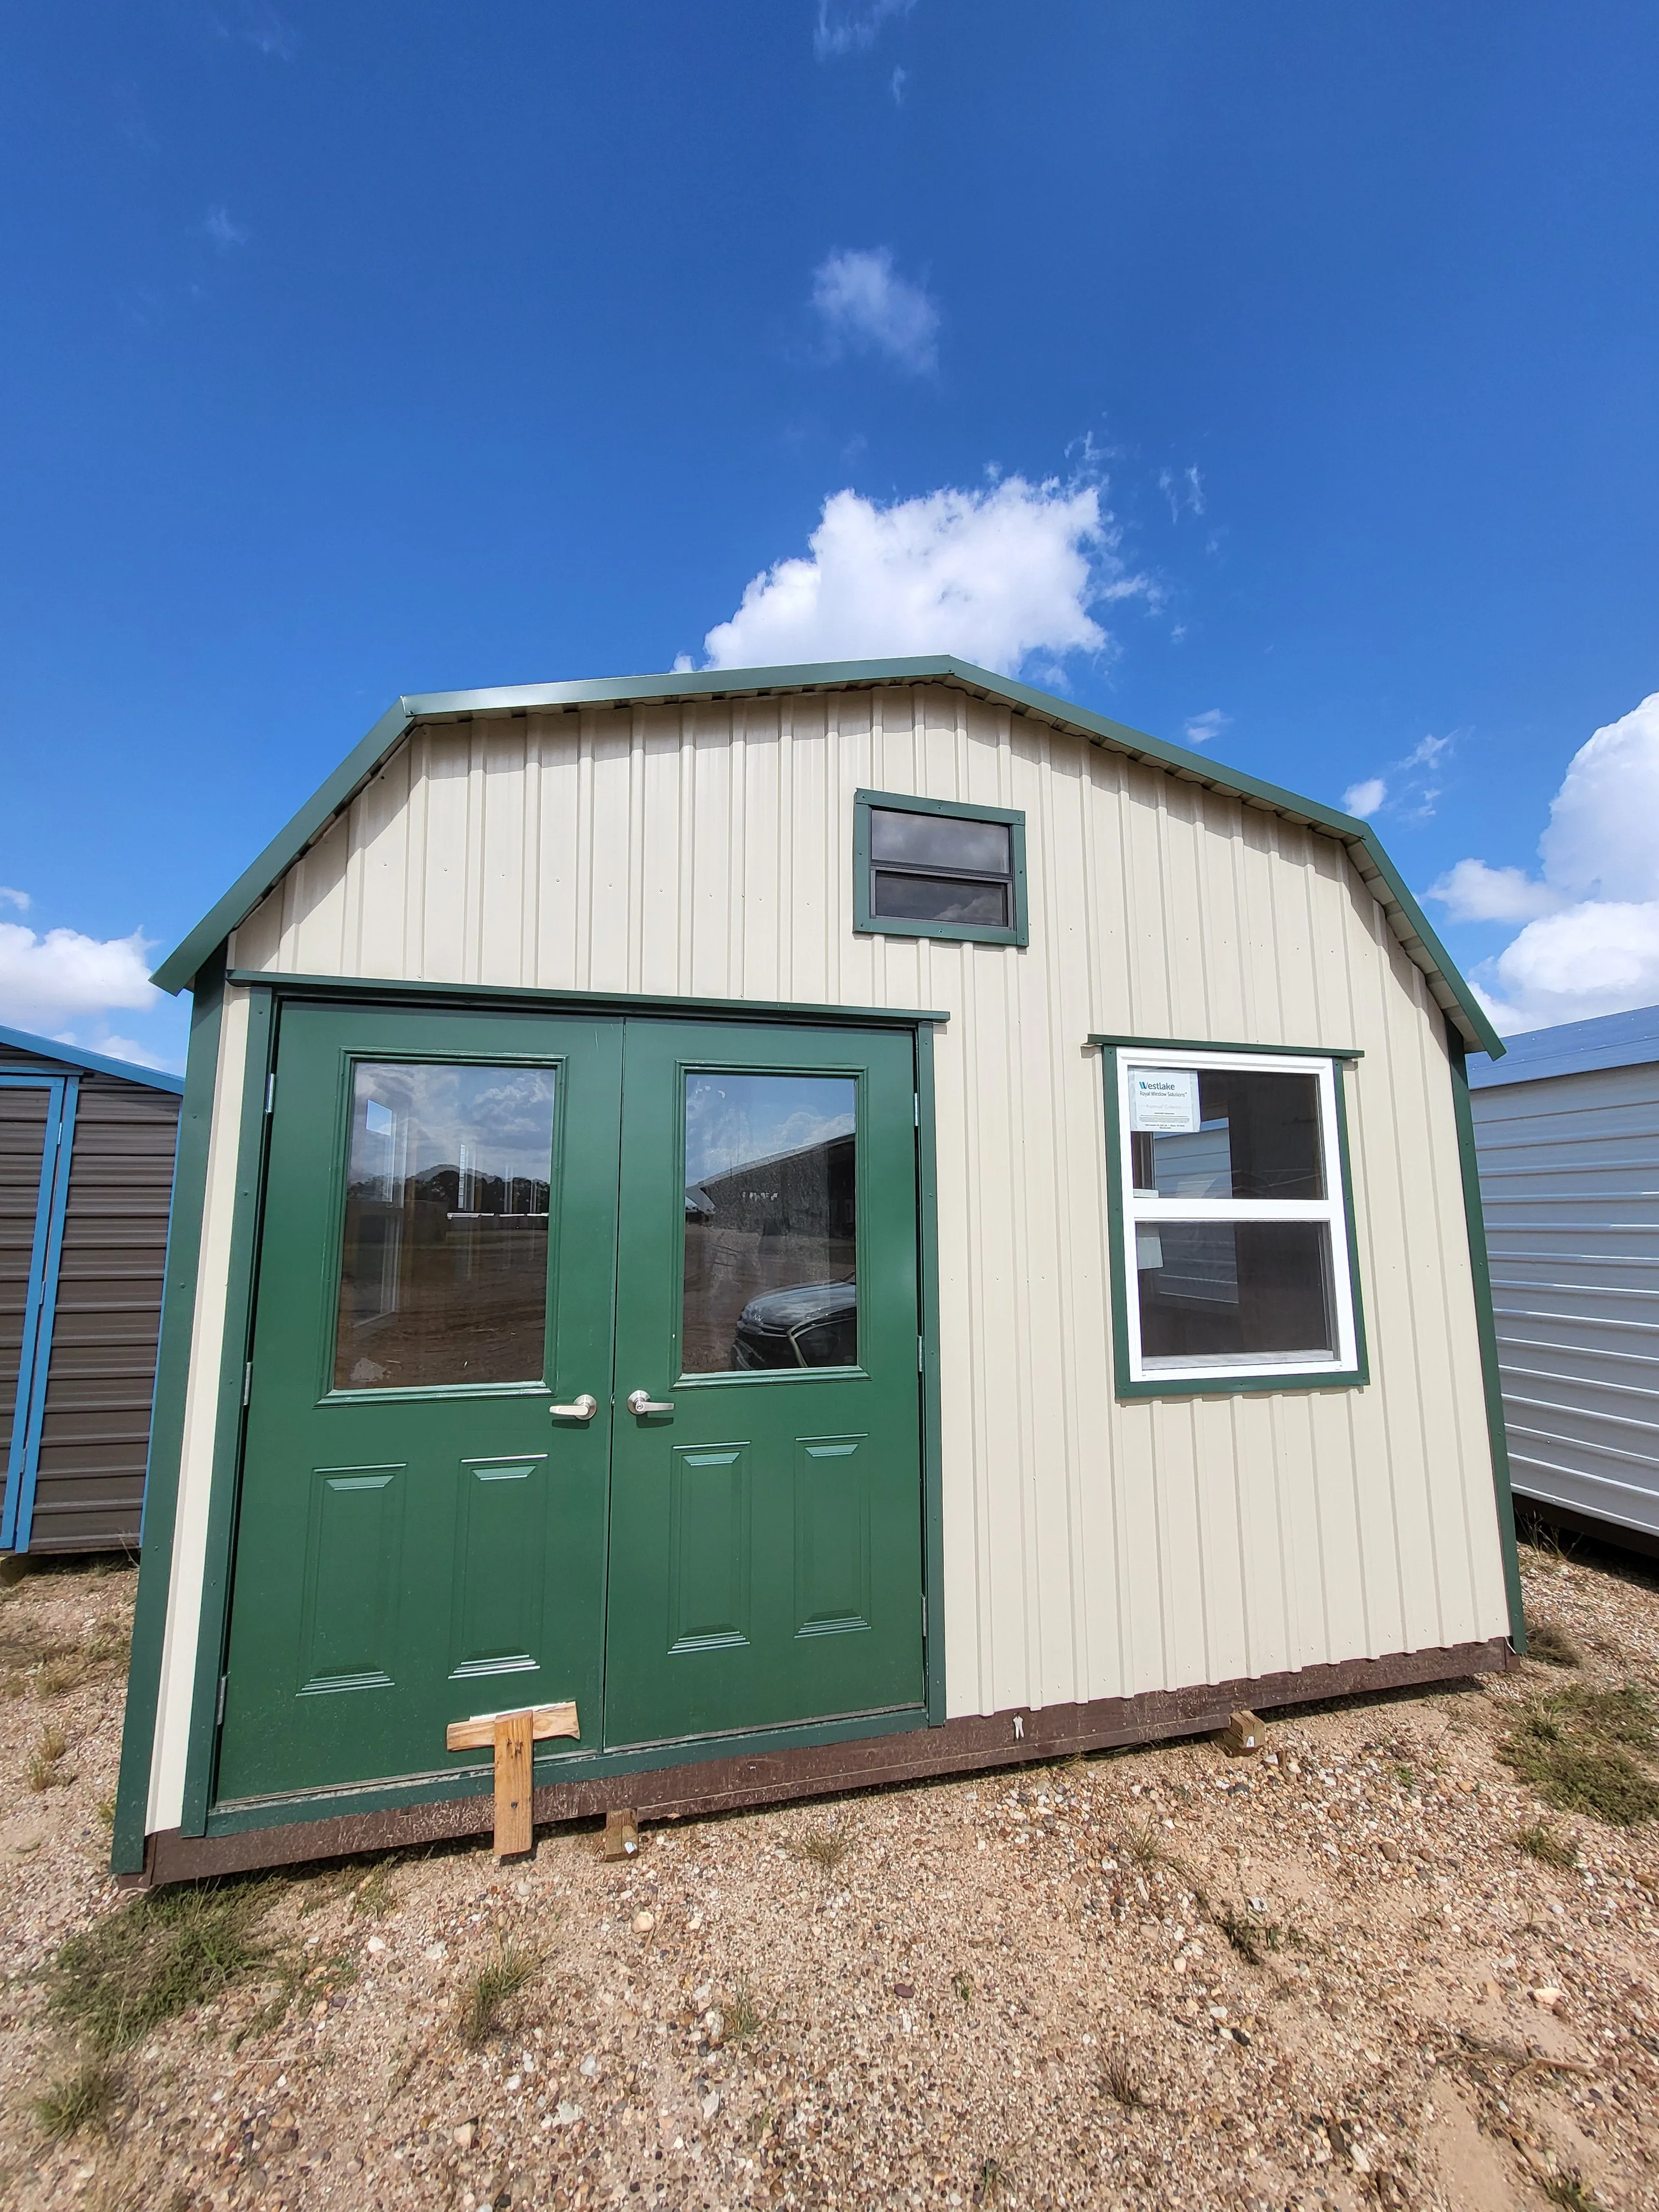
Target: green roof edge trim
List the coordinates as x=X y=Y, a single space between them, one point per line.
x=1405 y=917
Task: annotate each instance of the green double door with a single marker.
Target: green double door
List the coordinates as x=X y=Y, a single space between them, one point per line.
x=584 y=1364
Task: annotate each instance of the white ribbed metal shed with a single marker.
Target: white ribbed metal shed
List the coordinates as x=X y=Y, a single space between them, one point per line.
x=1113 y=1352
x=1567 y=1131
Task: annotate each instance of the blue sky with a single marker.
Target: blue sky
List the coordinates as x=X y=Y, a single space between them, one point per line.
x=378 y=348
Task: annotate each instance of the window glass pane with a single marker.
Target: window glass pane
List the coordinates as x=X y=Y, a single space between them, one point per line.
x=938 y=898
x=770 y=1238
x=443 y=1267
x=1235 y=1290
x=938 y=840
x=1251 y=1136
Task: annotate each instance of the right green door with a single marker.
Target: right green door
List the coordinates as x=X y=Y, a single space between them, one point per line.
x=766 y=1503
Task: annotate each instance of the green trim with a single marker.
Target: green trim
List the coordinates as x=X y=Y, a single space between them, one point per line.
x=1281 y=1380
x=1206 y=1044
x=1486 y=1328
x=866 y=922
x=1405 y=917
x=230 y=1416
x=586 y=1002
x=167 y=1422
x=932 y=1465
x=239 y=1817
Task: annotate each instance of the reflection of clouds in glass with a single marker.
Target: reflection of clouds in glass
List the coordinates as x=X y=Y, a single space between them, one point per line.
x=732 y=1119
x=503 y=1117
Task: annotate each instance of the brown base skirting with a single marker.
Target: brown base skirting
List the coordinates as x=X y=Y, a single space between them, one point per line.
x=726 y=1784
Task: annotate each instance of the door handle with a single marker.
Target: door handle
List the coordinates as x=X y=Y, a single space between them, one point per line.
x=641 y=1401
x=583 y=1409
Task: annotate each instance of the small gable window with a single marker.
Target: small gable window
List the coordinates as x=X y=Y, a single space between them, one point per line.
x=931 y=867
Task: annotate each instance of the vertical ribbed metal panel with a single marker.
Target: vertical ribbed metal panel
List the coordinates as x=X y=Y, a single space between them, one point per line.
x=1570 y=1185
x=1093 y=1548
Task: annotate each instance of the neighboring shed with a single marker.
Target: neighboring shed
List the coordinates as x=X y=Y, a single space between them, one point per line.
x=1567 y=1130
x=851 y=1222
x=87 y=1148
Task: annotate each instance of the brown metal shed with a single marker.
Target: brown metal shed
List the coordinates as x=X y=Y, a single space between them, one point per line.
x=87 y=1148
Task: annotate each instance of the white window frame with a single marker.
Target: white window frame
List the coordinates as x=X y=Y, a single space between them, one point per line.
x=1139 y=1210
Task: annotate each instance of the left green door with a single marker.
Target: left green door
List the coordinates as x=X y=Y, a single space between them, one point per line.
x=422 y=1535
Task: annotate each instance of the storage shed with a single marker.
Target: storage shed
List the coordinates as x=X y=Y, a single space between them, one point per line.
x=1567 y=1130
x=843 y=1223
x=86 y=1179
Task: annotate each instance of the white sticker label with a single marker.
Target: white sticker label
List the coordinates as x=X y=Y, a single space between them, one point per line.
x=1163 y=1100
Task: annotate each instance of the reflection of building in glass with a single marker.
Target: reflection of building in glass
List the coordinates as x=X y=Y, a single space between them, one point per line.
x=771 y=1260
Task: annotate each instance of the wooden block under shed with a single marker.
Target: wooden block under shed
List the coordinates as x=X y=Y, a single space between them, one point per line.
x=621 y=1840
x=479 y=1733
x=1243 y=1736
x=515 y=1830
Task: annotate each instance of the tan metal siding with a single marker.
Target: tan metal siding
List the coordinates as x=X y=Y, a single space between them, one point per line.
x=94 y=1436
x=1092 y=1549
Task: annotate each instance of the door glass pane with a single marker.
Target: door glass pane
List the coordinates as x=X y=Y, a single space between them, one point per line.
x=443 y=1266
x=771 y=1256
x=1235 y=1290
x=1210 y=1134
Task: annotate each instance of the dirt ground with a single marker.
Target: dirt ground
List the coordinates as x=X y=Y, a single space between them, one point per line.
x=1328 y=1977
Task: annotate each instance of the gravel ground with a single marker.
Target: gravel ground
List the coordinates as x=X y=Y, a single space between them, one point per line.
x=1327 y=1976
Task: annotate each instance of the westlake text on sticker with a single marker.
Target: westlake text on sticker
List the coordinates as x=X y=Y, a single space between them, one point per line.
x=1163 y=1100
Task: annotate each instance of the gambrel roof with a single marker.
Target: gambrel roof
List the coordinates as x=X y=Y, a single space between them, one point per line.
x=1405 y=917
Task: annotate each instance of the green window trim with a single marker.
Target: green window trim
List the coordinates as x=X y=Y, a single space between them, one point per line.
x=1173 y=1383
x=868 y=923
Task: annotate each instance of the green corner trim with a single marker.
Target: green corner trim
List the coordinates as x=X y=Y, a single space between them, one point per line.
x=1486 y=1328
x=229 y=1415
x=1283 y=1380
x=1405 y=917
x=167 y=1421
x=1209 y=1044
x=866 y=922
x=932 y=1475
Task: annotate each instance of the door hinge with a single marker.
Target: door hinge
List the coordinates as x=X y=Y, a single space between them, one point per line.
x=270 y=1090
x=924 y=1616
x=921 y=1358
x=918 y=1097
x=219 y=1710
x=247 y=1383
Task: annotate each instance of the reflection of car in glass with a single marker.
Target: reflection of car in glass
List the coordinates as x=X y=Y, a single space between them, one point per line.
x=809 y=1325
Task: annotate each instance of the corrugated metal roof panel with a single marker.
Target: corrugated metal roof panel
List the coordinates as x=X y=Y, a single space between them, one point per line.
x=1628 y=1040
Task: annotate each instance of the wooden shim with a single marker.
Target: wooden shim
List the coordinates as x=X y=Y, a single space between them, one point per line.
x=479 y=1733
x=515 y=1830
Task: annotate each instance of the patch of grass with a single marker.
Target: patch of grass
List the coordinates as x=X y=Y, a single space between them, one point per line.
x=105 y=1809
x=512 y=1969
x=1568 y=2191
x=1406 y=1777
x=1146 y=1845
x=45 y=1769
x=167 y=1952
x=1122 y=2087
x=80 y=2101
x=59 y=1674
x=1539 y=1841
x=375 y=1894
x=1548 y=1641
x=990 y=2182
x=1576 y=1749
x=1250 y=1937
x=963 y=1985
x=742 y=2016
x=826 y=1847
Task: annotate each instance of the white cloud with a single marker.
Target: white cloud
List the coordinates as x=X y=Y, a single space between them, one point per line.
x=222 y=231
x=1185 y=490
x=1591 y=941
x=1201 y=729
x=992 y=575
x=1472 y=891
x=866 y=307
x=1364 y=798
x=121 y=1047
x=47 y=980
x=19 y=899
x=842 y=30
x=1409 y=788
x=895 y=85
